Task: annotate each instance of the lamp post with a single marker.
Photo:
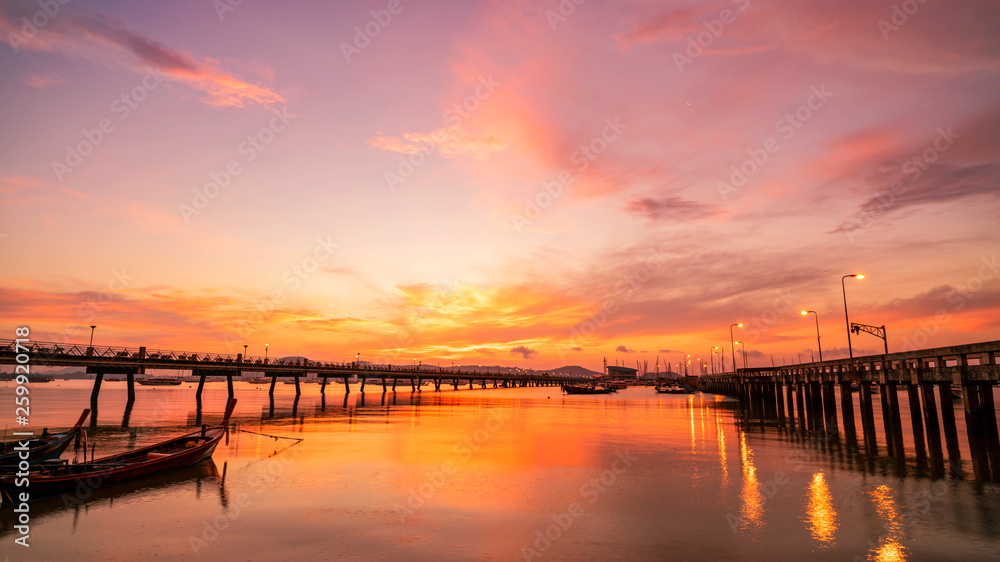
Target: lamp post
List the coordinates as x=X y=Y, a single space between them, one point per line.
x=847 y=319
x=733 y=342
x=818 y=346
x=245 y=346
x=265 y=351
x=714 y=348
x=744 y=345
x=92 y=335
x=687 y=361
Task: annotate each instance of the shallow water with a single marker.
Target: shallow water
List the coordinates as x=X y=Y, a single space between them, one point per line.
x=496 y=474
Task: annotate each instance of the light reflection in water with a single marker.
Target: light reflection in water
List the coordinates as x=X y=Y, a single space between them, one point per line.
x=691 y=417
x=820 y=513
x=889 y=548
x=753 y=504
x=721 y=440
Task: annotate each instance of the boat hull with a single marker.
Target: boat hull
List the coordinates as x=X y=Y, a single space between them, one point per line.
x=186 y=450
x=42 y=449
x=570 y=389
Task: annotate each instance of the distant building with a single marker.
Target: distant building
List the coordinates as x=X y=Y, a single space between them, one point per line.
x=616 y=372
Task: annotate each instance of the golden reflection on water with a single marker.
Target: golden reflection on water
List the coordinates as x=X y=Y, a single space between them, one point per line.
x=753 y=505
x=721 y=440
x=691 y=417
x=820 y=513
x=889 y=548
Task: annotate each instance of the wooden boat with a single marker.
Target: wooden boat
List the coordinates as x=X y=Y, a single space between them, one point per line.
x=41 y=448
x=159 y=381
x=585 y=389
x=47 y=480
x=39 y=378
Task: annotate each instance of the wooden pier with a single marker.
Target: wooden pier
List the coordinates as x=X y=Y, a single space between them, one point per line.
x=127 y=361
x=805 y=398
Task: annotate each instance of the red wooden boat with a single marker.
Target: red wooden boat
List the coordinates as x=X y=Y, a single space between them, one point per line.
x=48 y=480
x=40 y=448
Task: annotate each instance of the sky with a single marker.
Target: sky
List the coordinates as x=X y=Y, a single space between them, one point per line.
x=515 y=183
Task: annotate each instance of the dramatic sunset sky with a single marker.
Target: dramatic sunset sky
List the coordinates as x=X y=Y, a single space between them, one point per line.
x=510 y=182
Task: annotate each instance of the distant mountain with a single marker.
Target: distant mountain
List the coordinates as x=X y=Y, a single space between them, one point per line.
x=573 y=371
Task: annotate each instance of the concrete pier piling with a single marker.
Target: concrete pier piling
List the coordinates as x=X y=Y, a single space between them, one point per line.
x=904 y=381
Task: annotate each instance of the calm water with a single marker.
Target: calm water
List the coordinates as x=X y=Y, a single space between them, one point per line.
x=494 y=475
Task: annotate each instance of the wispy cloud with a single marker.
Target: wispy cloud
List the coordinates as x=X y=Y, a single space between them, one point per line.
x=43 y=80
x=87 y=33
x=450 y=142
x=670 y=208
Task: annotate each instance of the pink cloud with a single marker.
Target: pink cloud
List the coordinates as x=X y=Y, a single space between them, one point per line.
x=43 y=80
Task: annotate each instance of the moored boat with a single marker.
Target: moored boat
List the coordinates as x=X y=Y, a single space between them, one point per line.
x=586 y=389
x=44 y=447
x=672 y=389
x=159 y=381
x=50 y=479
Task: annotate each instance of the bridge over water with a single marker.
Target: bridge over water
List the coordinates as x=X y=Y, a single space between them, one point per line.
x=810 y=393
x=131 y=361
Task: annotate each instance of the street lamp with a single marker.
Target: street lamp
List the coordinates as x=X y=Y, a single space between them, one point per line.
x=818 y=346
x=713 y=358
x=843 y=288
x=245 y=351
x=92 y=335
x=743 y=344
x=265 y=351
x=733 y=342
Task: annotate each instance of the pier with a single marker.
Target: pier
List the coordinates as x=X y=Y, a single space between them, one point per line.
x=805 y=398
x=131 y=361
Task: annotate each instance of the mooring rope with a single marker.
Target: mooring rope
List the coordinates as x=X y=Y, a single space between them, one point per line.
x=276 y=437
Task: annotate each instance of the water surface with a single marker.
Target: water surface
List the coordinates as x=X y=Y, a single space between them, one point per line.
x=495 y=474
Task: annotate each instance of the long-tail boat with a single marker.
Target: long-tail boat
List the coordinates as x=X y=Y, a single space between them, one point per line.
x=47 y=480
x=44 y=447
x=585 y=389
